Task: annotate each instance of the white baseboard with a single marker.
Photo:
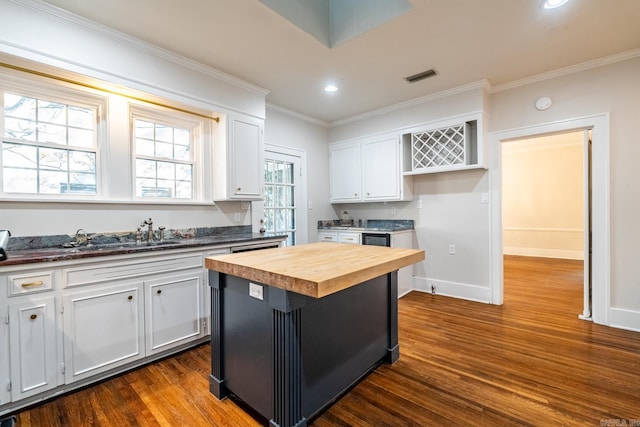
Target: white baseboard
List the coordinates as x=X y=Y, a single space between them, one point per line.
x=453 y=289
x=543 y=253
x=624 y=319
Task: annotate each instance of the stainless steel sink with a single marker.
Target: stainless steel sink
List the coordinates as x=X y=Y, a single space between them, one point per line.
x=118 y=245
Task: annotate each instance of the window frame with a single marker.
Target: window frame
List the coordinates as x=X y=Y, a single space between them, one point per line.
x=64 y=94
x=197 y=129
x=113 y=135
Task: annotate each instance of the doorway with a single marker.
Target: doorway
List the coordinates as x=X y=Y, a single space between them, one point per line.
x=600 y=271
x=284 y=180
x=546 y=203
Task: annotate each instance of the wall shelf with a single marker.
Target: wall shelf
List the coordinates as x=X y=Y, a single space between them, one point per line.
x=444 y=148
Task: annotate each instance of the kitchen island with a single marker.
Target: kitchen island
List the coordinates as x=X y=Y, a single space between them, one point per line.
x=294 y=328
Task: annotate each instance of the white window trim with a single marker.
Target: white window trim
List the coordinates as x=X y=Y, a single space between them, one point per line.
x=65 y=94
x=111 y=148
x=174 y=119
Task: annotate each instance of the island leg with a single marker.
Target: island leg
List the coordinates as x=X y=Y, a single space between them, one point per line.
x=287 y=359
x=216 y=379
x=393 y=349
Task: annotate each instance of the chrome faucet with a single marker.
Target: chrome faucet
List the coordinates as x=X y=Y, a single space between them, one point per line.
x=148 y=222
x=86 y=239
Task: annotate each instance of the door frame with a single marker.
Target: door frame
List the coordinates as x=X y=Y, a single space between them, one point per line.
x=600 y=210
x=257 y=213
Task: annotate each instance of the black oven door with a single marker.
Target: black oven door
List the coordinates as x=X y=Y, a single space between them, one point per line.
x=376 y=239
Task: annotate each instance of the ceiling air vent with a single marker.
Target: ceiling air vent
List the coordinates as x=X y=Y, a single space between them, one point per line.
x=421 y=76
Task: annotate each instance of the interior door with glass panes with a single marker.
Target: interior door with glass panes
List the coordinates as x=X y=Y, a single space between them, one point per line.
x=280 y=199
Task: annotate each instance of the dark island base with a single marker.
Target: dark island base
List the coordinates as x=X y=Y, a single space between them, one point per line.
x=289 y=356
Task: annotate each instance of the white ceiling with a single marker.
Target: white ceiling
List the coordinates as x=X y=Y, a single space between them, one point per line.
x=466 y=41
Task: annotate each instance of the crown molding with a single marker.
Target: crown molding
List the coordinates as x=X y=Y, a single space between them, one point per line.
x=296 y=115
x=103 y=30
x=560 y=72
x=481 y=84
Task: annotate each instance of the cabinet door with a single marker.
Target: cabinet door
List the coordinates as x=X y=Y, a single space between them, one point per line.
x=32 y=343
x=345 y=172
x=173 y=311
x=5 y=377
x=246 y=172
x=381 y=169
x=103 y=329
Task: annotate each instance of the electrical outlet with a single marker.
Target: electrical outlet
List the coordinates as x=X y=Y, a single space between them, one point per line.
x=236 y=217
x=484 y=198
x=419 y=204
x=393 y=210
x=245 y=205
x=452 y=249
x=255 y=291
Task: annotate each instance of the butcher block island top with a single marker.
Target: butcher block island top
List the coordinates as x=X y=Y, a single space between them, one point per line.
x=315 y=269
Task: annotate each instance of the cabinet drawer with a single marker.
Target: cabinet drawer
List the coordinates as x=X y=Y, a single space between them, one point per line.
x=328 y=237
x=351 y=238
x=20 y=284
x=122 y=270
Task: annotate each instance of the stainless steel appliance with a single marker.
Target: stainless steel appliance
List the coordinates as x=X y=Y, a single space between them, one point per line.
x=254 y=246
x=4 y=242
x=376 y=239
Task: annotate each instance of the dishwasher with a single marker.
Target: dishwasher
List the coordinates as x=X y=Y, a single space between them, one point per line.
x=254 y=247
x=376 y=239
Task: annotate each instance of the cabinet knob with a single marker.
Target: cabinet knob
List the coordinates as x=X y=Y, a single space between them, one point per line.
x=33 y=316
x=159 y=291
x=355 y=194
x=239 y=189
x=130 y=297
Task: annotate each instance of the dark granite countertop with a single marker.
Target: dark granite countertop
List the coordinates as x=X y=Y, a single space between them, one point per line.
x=34 y=252
x=371 y=225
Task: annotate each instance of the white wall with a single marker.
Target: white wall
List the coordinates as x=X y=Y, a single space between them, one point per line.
x=60 y=43
x=60 y=39
x=286 y=130
x=35 y=219
x=542 y=196
x=613 y=88
x=452 y=212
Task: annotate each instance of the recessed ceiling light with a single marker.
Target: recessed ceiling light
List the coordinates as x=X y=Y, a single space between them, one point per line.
x=331 y=88
x=552 y=4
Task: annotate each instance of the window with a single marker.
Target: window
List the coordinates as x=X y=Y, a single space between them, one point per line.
x=49 y=145
x=279 y=200
x=164 y=157
x=65 y=139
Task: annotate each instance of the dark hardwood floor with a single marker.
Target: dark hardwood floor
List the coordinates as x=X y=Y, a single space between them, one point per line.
x=529 y=362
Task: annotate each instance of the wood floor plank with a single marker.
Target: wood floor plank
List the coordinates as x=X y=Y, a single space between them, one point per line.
x=530 y=362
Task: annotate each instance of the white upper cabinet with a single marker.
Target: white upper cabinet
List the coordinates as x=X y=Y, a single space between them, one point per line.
x=368 y=170
x=346 y=172
x=238 y=159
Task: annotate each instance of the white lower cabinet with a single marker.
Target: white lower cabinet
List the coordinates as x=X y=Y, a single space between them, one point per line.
x=5 y=373
x=104 y=328
x=173 y=311
x=64 y=325
x=350 y=237
x=33 y=356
